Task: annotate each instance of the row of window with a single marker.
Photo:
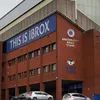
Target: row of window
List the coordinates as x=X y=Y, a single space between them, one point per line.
x=33 y=72
x=33 y=54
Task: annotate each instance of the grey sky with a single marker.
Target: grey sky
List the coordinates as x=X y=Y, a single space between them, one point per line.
x=7 y=5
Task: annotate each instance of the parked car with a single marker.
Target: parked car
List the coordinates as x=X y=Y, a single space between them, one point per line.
x=19 y=97
x=14 y=98
x=75 y=96
x=38 y=95
x=22 y=96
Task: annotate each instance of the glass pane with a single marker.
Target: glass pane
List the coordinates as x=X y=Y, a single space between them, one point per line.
x=53 y=67
x=54 y=46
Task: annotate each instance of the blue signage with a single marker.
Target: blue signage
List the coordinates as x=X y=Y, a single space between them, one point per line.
x=71 y=69
x=34 y=32
x=75 y=86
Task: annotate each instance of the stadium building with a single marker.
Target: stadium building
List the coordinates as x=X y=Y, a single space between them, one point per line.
x=90 y=8
x=51 y=46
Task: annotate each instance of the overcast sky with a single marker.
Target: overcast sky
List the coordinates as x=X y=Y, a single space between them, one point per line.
x=7 y=5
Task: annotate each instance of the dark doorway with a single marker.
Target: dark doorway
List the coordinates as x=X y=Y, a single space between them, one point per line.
x=3 y=94
x=22 y=89
x=11 y=93
x=50 y=88
x=71 y=87
x=35 y=87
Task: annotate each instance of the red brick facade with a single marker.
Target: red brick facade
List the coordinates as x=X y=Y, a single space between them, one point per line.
x=82 y=48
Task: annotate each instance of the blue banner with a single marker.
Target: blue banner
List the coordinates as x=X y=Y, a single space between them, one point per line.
x=34 y=32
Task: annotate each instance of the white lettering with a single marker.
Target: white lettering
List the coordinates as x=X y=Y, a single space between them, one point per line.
x=47 y=26
x=41 y=29
x=24 y=37
x=32 y=33
x=37 y=31
x=19 y=40
x=29 y=35
x=15 y=42
x=11 y=44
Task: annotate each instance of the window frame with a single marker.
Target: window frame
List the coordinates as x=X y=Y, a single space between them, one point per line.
x=19 y=74
x=31 y=54
x=54 y=69
x=9 y=78
x=54 y=47
x=46 y=69
x=46 y=49
x=19 y=58
x=24 y=57
x=38 y=52
x=31 y=72
x=24 y=74
x=38 y=71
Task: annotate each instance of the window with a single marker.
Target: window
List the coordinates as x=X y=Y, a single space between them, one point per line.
x=24 y=56
x=53 y=67
x=43 y=93
x=38 y=52
x=31 y=54
x=31 y=72
x=46 y=49
x=38 y=93
x=19 y=59
x=2 y=79
x=24 y=74
x=38 y=71
x=19 y=75
x=46 y=68
x=75 y=95
x=80 y=95
x=54 y=46
x=12 y=62
x=9 y=63
x=9 y=78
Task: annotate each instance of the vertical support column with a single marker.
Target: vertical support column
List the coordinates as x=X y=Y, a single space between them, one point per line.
x=6 y=82
x=0 y=68
x=7 y=94
x=16 y=91
x=42 y=87
x=58 y=89
x=16 y=86
x=28 y=87
x=0 y=91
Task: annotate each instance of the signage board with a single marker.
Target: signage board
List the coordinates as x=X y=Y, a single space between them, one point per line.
x=71 y=68
x=70 y=41
x=33 y=33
